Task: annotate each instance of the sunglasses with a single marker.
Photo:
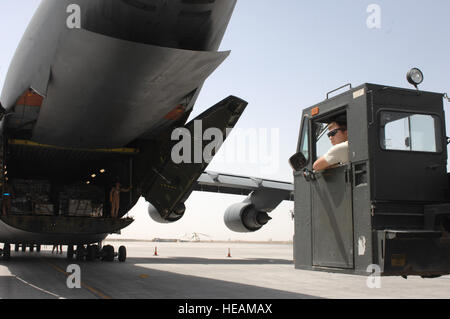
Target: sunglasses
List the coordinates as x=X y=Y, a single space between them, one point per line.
x=335 y=131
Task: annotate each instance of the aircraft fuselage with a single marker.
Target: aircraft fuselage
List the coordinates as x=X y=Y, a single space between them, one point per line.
x=91 y=105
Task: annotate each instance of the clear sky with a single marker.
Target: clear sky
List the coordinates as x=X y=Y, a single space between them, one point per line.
x=286 y=55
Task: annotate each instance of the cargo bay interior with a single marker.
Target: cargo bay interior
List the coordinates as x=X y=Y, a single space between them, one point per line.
x=58 y=181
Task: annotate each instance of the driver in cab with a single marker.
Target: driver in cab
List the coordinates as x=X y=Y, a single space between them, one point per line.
x=338 y=154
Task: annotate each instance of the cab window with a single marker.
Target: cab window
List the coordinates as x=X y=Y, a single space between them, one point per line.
x=323 y=143
x=409 y=132
x=304 y=139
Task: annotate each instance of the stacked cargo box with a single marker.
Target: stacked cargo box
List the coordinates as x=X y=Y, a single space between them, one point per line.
x=21 y=205
x=31 y=196
x=82 y=201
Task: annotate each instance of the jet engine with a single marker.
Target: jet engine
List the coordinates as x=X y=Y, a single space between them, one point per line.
x=172 y=217
x=251 y=215
x=244 y=218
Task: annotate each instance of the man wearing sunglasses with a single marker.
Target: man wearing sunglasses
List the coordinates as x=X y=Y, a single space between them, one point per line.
x=338 y=154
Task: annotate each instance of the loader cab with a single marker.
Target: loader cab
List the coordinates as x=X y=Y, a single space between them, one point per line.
x=389 y=205
x=328 y=199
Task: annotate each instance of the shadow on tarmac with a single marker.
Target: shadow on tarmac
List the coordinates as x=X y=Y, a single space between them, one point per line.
x=45 y=276
x=207 y=261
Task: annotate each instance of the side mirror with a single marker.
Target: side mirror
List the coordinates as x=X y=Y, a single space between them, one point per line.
x=298 y=161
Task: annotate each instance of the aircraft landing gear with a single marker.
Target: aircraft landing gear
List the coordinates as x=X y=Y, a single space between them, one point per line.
x=6 y=252
x=70 y=252
x=93 y=252
x=108 y=253
x=80 y=253
x=122 y=254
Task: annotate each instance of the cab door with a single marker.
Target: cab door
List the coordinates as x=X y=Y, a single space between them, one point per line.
x=332 y=213
x=332 y=218
x=302 y=203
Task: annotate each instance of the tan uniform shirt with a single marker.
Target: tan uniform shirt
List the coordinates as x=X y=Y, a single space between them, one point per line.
x=338 y=154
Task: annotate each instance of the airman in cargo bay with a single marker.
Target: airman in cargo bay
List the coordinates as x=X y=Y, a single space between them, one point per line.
x=114 y=198
x=338 y=154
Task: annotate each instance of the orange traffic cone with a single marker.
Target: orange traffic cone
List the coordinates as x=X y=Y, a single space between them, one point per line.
x=156 y=251
x=229 y=253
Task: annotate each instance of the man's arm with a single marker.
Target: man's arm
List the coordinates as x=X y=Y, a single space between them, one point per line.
x=126 y=190
x=321 y=164
x=332 y=158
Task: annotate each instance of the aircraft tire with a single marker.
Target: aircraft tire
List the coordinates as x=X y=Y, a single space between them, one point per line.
x=79 y=254
x=24 y=247
x=16 y=247
x=96 y=249
x=122 y=254
x=91 y=253
x=70 y=252
x=108 y=253
x=6 y=251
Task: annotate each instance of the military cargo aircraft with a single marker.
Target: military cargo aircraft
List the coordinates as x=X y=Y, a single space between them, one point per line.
x=91 y=100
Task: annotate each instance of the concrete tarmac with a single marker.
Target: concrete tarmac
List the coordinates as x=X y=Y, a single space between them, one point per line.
x=197 y=271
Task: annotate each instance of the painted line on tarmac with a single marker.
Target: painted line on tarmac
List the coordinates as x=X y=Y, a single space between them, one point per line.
x=93 y=290
x=4 y=272
x=40 y=289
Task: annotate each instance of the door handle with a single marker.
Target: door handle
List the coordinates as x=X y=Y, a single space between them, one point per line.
x=309 y=175
x=433 y=166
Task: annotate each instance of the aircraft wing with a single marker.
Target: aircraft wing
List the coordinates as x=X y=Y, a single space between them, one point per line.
x=265 y=195
x=241 y=185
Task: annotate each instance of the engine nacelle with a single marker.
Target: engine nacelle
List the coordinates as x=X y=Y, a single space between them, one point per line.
x=244 y=218
x=174 y=216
